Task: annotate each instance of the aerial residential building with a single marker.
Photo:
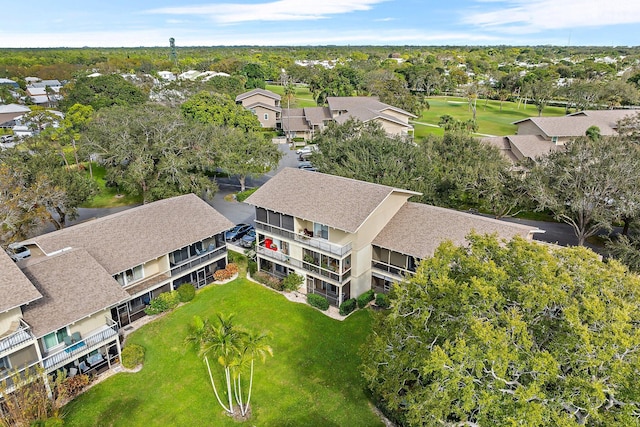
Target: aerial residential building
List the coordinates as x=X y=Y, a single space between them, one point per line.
x=344 y=235
x=539 y=136
x=63 y=306
x=264 y=104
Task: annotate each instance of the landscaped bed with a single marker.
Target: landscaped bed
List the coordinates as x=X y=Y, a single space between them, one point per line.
x=312 y=379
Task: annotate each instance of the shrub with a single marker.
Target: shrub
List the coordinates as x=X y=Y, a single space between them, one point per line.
x=242 y=196
x=253 y=267
x=163 y=302
x=364 y=298
x=318 y=301
x=268 y=279
x=222 y=274
x=132 y=356
x=382 y=301
x=72 y=386
x=347 y=307
x=232 y=268
x=186 y=292
x=292 y=282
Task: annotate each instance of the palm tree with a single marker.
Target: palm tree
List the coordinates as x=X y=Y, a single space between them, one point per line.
x=235 y=348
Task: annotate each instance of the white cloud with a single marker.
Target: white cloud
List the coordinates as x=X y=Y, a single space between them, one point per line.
x=280 y=10
x=195 y=37
x=526 y=16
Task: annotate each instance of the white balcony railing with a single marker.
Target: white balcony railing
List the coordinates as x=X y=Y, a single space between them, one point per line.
x=18 y=338
x=96 y=339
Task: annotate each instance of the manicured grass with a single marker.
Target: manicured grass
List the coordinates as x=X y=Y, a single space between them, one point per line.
x=491 y=119
x=303 y=97
x=108 y=196
x=312 y=378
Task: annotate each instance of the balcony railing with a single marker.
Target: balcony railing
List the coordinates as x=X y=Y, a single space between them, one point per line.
x=106 y=333
x=314 y=242
x=400 y=272
x=194 y=262
x=12 y=378
x=333 y=298
x=21 y=336
x=312 y=268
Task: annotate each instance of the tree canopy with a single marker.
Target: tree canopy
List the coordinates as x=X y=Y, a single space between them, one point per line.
x=589 y=185
x=151 y=150
x=102 y=91
x=509 y=334
x=219 y=110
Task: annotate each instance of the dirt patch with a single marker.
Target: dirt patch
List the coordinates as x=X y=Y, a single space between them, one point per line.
x=230 y=198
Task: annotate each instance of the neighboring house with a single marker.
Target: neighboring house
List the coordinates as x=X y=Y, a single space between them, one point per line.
x=327 y=228
x=41 y=97
x=538 y=136
x=9 y=112
x=10 y=83
x=53 y=84
x=167 y=75
x=63 y=307
x=307 y=122
x=264 y=104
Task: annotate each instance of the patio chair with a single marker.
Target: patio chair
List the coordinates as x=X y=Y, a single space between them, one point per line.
x=68 y=341
x=83 y=367
x=72 y=372
x=76 y=336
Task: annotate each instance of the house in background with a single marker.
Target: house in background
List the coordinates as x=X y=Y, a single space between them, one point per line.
x=9 y=112
x=309 y=121
x=344 y=236
x=264 y=104
x=63 y=307
x=539 y=136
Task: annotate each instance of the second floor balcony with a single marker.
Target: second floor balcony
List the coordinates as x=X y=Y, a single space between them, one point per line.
x=312 y=242
x=18 y=335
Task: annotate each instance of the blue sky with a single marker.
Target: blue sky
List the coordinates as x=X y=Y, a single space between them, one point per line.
x=130 y=23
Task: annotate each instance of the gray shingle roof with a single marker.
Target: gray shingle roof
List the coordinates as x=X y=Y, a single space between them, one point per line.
x=533 y=146
x=577 y=124
x=502 y=144
x=263 y=105
x=258 y=91
x=417 y=229
x=338 y=202
x=349 y=103
x=317 y=115
x=15 y=287
x=73 y=286
x=135 y=236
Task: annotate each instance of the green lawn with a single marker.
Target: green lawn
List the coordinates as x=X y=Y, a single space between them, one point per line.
x=303 y=97
x=108 y=197
x=312 y=378
x=491 y=119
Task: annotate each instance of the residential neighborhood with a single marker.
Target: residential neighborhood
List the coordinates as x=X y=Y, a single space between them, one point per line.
x=246 y=235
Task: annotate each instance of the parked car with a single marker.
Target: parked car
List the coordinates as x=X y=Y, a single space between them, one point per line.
x=6 y=138
x=304 y=164
x=248 y=239
x=308 y=168
x=237 y=232
x=18 y=252
x=306 y=149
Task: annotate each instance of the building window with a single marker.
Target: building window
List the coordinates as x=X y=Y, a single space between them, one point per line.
x=266 y=116
x=55 y=338
x=4 y=364
x=133 y=274
x=554 y=139
x=130 y=276
x=321 y=231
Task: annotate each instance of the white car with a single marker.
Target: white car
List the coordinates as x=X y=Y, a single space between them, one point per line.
x=307 y=149
x=18 y=252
